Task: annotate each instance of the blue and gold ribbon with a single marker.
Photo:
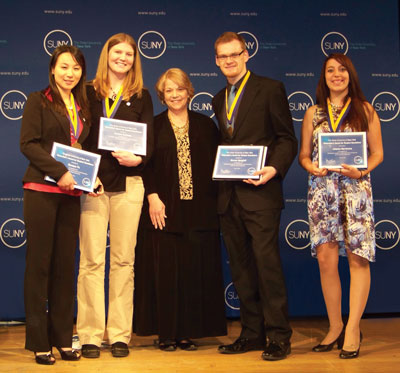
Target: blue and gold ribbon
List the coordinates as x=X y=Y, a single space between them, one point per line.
x=73 y=118
x=109 y=112
x=230 y=111
x=335 y=124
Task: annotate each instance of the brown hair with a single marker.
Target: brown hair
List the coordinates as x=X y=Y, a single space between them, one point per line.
x=79 y=91
x=357 y=116
x=133 y=83
x=227 y=37
x=179 y=77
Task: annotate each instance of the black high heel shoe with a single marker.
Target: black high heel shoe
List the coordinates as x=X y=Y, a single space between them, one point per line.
x=70 y=355
x=45 y=359
x=167 y=345
x=325 y=348
x=351 y=354
x=186 y=344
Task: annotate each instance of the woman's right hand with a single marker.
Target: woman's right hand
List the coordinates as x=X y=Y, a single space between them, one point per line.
x=316 y=171
x=66 y=182
x=156 y=211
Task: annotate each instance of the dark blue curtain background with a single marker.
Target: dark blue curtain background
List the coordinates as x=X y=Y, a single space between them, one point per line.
x=287 y=40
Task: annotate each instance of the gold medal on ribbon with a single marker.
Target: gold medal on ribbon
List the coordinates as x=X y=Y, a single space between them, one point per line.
x=77 y=145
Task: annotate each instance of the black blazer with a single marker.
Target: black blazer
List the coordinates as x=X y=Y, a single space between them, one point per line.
x=41 y=127
x=263 y=119
x=161 y=173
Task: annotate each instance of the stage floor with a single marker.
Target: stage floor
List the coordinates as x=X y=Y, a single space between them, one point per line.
x=380 y=352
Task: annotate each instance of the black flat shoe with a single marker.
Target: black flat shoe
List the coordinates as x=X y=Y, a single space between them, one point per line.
x=167 y=345
x=351 y=354
x=242 y=345
x=187 y=345
x=276 y=351
x=90 y=351
x=45 y=359
x=119 y=349
x=70 y=355
x=325 y=348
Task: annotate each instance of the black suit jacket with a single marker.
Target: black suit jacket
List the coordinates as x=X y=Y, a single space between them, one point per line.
x=161 y=174
x=41 y=127
x=263 y=118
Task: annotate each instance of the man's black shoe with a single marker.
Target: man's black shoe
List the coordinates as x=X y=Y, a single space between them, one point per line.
x=242 y=345
x=276 y=351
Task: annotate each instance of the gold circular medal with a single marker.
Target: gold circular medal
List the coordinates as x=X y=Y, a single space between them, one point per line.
x=77 y=145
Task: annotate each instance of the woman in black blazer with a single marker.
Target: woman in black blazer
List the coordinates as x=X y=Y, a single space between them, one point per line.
x=51 y=210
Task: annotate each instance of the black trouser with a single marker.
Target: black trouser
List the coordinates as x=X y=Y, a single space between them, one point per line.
x=251 y=238
x=52 y=224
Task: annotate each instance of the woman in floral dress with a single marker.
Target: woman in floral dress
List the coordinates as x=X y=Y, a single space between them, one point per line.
x=340 y=204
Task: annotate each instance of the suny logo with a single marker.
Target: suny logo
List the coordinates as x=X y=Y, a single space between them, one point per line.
x=299 y=102
x=231 y=297
x=201 y=102
x=12 y=233
x=387 y=234
x=251 y=42
x=54 y=39
x=152 y=44
x=297 y=234
x=12 y=104
x=387 y=105
x=334 y=42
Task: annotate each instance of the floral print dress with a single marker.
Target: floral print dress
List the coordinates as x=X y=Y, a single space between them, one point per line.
x=340 y=209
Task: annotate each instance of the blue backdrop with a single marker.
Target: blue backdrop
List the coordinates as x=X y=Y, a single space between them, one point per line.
x=287 y=40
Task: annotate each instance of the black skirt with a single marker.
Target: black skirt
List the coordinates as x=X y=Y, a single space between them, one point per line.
x=178 y=282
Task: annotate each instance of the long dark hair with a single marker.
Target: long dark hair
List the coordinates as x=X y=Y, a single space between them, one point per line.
x=357 y=117
x=79 y=91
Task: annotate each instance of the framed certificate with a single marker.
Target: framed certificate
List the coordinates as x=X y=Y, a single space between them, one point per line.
x=238 y=162
x=337 y=148
x=116 y=134
x=83 y=165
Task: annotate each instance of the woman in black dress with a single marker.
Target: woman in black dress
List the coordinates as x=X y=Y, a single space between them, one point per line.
x=179 y=288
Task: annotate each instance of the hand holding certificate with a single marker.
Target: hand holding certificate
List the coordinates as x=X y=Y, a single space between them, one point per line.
x=116 y=134
x=238 y=162
x=337 y=148
x=81 y=164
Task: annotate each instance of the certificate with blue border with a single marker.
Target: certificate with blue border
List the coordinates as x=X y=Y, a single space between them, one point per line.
x=116 y=134
x=337 y=148
x=238 y=162
x=81 y=164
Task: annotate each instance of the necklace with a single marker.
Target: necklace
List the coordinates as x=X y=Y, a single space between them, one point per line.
x=114 y=94
x=336 y=107
x=179 y=129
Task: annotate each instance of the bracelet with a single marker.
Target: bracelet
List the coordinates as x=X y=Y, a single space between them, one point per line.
x=361 y=174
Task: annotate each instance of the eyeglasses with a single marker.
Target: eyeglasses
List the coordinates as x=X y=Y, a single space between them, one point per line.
x=234 y=56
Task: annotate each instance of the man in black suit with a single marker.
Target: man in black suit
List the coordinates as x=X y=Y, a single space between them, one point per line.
x=250 y=209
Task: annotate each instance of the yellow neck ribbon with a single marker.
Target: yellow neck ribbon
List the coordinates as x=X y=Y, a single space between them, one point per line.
x=73 y=115
x=238 y=93
x=335 y=124
x=114 y=106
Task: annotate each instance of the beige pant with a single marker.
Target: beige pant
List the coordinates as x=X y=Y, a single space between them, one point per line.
x=122 y=211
